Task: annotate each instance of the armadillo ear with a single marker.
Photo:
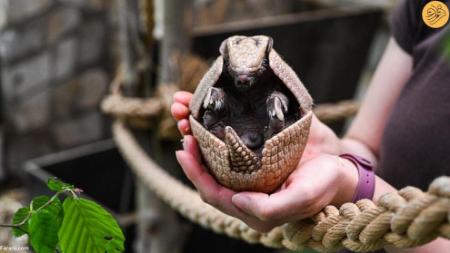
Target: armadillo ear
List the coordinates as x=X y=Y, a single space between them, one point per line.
x=223 y=48
x=269 y=45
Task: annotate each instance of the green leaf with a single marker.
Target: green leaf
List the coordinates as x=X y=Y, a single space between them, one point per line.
x=87 y=227
x=39 y=201
x=19 y=217
x=55 y=184
x=44 y=224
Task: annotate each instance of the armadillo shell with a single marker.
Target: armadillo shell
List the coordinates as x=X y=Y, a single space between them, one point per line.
x=280 y=156
x=281 y=153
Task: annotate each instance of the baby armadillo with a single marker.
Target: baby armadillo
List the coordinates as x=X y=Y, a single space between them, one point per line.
x=251 y=116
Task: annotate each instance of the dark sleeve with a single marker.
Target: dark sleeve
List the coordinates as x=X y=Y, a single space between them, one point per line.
x=404 y=23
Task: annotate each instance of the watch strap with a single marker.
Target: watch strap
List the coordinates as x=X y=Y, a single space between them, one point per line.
x=366 y=182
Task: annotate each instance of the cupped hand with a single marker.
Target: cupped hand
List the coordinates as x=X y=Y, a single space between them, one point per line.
x=323 y=180
x=316 y=183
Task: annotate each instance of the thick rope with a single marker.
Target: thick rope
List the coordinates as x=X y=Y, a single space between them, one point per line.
x=119 y=106
x=407 y=218
x=137 y=111
x=336 y=111
x=131 y=108
x=123 y=107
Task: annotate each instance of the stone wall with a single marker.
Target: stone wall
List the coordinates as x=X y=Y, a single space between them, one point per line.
x=55 y=68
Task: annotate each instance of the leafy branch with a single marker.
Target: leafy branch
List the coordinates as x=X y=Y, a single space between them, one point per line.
x=74 y=225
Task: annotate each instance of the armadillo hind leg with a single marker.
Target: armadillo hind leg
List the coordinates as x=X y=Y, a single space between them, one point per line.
x=242 y=158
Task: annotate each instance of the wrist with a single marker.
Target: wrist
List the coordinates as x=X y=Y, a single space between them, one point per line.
x=347 y=181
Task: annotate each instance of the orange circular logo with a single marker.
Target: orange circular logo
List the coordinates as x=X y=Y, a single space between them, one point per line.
x=435 y=14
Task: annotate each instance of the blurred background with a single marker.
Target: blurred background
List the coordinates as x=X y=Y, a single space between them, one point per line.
x=58 y=58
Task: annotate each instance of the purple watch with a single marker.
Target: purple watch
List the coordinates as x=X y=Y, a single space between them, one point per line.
x=366 y=182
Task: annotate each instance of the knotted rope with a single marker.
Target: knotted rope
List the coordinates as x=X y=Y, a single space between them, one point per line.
x=407 y=218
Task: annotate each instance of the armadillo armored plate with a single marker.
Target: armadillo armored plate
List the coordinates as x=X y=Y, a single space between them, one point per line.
x=281 y=153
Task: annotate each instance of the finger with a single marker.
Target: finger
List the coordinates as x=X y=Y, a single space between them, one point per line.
x=179 y=111
x=190 y=145
x=249 y=203
x=184 y=126
x=201 y=179
x=209 y=189
x=182 y=97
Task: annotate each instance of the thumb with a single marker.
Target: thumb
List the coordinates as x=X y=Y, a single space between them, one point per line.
x=252 y=203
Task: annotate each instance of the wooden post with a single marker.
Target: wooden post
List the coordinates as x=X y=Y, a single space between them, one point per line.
x=175 y=41
x=159 y=230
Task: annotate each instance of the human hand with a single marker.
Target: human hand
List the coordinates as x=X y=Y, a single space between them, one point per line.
x=320 y=181
x=323 y=180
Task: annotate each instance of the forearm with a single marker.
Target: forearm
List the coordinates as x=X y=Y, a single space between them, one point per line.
x=365 y=133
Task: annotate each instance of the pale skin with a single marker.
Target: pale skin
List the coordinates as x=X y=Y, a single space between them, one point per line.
x=321 y=177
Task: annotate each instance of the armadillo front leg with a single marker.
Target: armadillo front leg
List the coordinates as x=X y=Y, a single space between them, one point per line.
x=215 y=111
x=277 y=106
